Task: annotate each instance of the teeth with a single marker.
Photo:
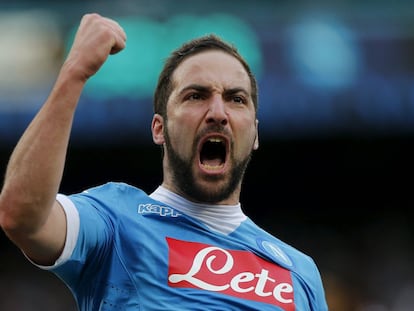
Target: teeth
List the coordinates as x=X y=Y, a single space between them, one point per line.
x=215 y=140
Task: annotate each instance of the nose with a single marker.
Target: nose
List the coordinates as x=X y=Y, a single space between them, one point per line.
x=217 y=111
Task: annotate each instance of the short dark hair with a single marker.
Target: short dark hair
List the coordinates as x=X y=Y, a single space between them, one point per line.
x=192 y=47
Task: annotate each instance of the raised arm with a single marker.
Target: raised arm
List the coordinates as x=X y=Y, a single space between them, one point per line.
x=29 y=213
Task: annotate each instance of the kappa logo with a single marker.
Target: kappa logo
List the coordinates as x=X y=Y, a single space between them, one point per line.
x=157 y=209
x=231 y=272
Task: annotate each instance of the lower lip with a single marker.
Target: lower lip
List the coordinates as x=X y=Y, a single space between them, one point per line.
x=215 y=171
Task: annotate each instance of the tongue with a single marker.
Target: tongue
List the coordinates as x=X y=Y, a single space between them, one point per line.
x=212 y=162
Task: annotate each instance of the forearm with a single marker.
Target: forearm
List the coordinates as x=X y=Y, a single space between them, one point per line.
x=28 y=212
x=36 y=166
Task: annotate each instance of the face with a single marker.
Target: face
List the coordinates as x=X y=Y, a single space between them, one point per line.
x=210 y=131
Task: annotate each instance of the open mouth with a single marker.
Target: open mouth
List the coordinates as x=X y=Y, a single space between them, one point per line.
x=213 y=153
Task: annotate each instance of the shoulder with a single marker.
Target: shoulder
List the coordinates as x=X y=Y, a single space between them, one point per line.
x=113 y=191
x=111 y=196
x=113 y=186
x=282 y=252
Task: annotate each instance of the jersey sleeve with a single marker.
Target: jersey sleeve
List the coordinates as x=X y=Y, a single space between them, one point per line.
x=72 y=231
x=89 y=236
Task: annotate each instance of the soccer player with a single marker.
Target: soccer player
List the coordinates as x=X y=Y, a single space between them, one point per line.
x=187 y=245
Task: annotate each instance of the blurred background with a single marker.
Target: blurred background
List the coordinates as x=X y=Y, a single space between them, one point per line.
x=333 y=175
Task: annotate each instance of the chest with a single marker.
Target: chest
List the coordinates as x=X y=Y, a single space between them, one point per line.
x=168 y=255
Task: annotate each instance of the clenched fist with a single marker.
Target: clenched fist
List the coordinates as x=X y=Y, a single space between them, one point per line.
x=96 y=38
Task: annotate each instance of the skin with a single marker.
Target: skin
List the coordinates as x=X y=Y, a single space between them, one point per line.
x=211 y=97
x=29 y=213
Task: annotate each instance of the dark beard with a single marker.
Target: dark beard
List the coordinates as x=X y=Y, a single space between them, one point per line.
x=186 y=182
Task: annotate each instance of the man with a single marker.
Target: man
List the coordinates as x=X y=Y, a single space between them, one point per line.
x=186 y=246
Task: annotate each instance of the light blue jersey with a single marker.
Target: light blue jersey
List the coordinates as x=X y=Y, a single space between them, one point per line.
x=127 y=251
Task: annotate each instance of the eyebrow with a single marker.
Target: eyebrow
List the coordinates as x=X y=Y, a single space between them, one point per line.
x=205 y=89
x=197 y=87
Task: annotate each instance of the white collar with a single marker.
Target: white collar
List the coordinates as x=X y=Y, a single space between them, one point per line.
x=221 y=218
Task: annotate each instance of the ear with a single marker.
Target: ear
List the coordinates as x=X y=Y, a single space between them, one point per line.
x=157 y=129
x=256 y=139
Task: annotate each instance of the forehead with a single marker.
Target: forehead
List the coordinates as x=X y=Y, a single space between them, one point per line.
x=212 y=68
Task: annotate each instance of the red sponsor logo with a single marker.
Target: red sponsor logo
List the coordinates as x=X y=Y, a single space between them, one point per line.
x=231 y=272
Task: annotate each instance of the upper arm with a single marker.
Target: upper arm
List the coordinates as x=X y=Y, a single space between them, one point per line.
x=45 y=246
